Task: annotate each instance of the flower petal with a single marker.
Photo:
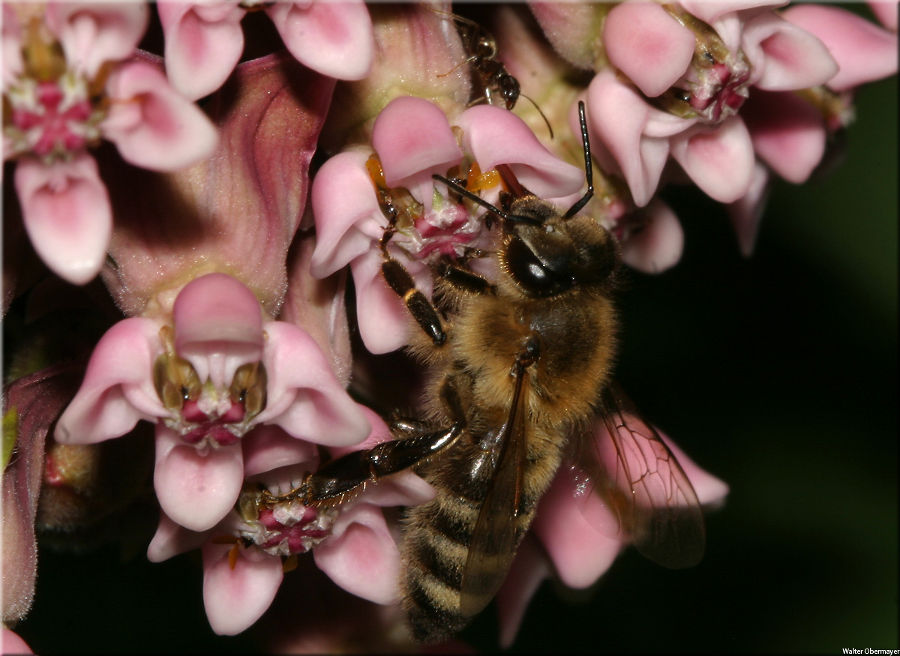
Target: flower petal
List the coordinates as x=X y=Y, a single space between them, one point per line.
x=348 y=219
x=94 y=33
x=788 y=134
x=306 y=400
x=269 y=447
x=886 y=11
x=711 y=491
x=413 y=140
x=719 y=161
x=172 y=539
x=864 y=51
x=196 y=490
x=658 y=244
x=618 y=117
x=117 y=389
x=236 y=598
x=528 y=570
x=579 y=530
x=204 y=42
x=151 y=124
x=332 y=38
x=497 y=136
x=361 y=556
x=218 y=327
x=648 y=45
x=746 y=212
x=66 y=212
x=384 y=322
x=784 y=56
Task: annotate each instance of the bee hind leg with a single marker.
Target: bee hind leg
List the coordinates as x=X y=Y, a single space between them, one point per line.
x=347 y=475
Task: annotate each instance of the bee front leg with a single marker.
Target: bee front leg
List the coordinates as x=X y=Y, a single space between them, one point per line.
x=417 y=303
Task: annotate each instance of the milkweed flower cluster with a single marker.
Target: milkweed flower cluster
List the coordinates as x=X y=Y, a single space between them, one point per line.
x=269 y=157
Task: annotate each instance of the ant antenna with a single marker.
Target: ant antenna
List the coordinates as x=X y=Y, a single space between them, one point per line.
x=462 y=191
x=588 y=171
x=539 y=112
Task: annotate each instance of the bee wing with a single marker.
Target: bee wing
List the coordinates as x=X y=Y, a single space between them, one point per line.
x=652 y=495
x=495 y=538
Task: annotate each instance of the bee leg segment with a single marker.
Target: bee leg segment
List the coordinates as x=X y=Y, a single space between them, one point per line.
x=465 y=280
x=350 y=473
x=419 y=306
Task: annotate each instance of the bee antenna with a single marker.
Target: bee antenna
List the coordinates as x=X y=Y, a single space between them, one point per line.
x=539 y=112
x=505 y=216
x=588 y=171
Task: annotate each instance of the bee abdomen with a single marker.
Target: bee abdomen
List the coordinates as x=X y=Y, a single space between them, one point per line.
x=436 y=549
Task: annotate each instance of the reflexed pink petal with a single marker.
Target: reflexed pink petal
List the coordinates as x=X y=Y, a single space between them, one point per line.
x=658 y=244
x=648 y=45
x=196 y=490
x=712 y=11
x=12 y=643
x=885 y=11
x=361 y=556
x=746 y=212
x=348 y=219
x=306 y=400
x=618 y=117
x=711 y=491
x=236 y=598
x=332 y=38
x=384 y=321
x=11 y=44
x=172 y=539
x=572 y=28
x=497 y=136
x=528 y=570
x=268 y=447
x=787 y=132
x=864 y=51
x=92 y=33
x=218 y=326
x=720 y=161
x=791 y=58
x=413 y=140
x=152 y=125
x=117 y=389
x=66 y=212
x=319 y=307
x=578 y=529
x=204 y=42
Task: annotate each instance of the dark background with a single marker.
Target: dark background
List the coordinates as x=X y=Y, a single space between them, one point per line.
x=777 y=373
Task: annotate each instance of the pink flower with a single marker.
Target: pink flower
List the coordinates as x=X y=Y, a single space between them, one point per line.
x=207 y=373
x=244 y=555
x=68 y=82
x=204 y=40
x=685 y=106
x=580 y=533
x=236 y=212
x=412 y=140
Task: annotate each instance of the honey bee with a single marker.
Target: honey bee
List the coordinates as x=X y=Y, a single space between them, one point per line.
x=520 y=365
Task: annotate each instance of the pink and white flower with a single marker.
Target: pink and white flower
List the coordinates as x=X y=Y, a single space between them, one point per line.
x=70 y=79
x=206 y=374
x=204 y=40
x=245 y=555
x=413 y=139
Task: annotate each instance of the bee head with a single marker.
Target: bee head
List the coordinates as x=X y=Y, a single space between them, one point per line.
x=548 y=258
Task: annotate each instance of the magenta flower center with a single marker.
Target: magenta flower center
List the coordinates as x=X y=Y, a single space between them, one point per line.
x=288 y=528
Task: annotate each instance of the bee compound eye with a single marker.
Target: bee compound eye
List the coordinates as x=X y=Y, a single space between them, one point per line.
x=530 y=273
